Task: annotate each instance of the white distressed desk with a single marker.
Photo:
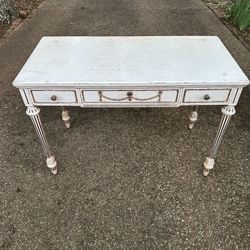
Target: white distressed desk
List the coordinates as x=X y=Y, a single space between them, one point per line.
x=130 y=72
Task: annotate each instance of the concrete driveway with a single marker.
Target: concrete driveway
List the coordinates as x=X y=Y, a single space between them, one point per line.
x=129 y=178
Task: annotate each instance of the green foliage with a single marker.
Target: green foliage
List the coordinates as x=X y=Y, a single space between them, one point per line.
x=239 y=12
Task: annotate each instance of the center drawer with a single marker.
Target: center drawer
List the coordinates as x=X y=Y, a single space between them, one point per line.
x=126 y=96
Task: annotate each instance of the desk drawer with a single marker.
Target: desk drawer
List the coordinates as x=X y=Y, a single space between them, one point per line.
x=206 y=95
x=54 y=96
x=127 y=96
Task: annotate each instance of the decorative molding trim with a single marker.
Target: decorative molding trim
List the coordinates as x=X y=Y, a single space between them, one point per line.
x=126 y=85
x=32 y=111
x=228 y=110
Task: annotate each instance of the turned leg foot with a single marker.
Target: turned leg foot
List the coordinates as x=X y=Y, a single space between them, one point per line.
x=51 y=163
x=205 y=172
x=193 y=117
x=66 y=117
x=33 y=113
x=208 y=165
x=227 y=113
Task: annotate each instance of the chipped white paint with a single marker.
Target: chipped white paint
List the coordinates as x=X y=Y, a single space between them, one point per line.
x=130 y=72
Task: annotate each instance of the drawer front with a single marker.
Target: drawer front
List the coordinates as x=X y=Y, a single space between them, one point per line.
x=206 y=95
x=54 y=96
x=126 y=96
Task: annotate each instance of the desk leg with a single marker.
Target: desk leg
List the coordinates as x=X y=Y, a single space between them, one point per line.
x=66 y=117
x=227 y=113
x=33 y=113
x=193 y=117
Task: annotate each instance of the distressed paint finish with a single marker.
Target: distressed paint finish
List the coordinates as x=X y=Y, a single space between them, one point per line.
x=130 y=61
x=130 y=72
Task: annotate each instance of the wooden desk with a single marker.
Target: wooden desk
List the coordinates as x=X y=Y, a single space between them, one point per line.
x=130 y=72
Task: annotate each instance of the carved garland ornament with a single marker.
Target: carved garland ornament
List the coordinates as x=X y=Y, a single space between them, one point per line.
x=129 y=97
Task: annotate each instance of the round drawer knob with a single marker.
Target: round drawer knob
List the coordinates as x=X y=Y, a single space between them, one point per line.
x=206 y=97
x=53 y=98
x=130 y=95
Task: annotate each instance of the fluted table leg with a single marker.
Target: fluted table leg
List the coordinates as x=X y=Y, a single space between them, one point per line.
x=193 y=117
x=33 y=113
x=227 y=113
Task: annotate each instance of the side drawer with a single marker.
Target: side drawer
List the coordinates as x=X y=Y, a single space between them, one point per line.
x=54 y=96
x=127 y=96
x=206 y=95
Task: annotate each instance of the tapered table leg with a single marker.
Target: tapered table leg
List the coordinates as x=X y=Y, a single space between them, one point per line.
x=193 y=117
x=227 y=113
x=66 y=117
x=33 y=113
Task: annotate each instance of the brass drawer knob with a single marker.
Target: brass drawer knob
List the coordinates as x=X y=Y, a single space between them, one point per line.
x=207 y=97
x=53 y=98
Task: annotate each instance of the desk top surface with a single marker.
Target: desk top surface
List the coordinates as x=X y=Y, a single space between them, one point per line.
x=160 y=60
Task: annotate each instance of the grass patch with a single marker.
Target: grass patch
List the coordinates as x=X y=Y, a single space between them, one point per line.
x=239 y=12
